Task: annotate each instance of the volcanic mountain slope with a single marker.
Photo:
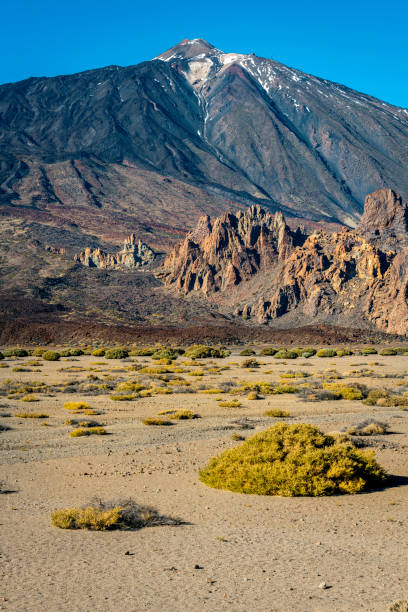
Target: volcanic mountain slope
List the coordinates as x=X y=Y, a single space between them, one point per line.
x=196 y=130
x=254 y=265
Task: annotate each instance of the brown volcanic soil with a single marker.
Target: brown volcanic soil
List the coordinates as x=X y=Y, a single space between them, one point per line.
x=51 y=329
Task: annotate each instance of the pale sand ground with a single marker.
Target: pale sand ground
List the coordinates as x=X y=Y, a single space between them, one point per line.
x=277 y=550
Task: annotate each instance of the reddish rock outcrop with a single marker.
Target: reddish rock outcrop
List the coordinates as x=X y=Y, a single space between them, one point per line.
x=135 y=254
x=253 y=265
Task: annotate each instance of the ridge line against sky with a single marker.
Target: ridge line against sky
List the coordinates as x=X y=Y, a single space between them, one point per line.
x=360 y=44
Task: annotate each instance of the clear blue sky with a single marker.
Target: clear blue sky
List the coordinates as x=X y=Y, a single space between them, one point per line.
x=363 y=44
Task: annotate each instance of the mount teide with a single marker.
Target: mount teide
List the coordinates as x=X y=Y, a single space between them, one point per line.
x=195 y=130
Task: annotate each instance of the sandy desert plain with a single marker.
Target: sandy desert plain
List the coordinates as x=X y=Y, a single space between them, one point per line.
x=231 y=551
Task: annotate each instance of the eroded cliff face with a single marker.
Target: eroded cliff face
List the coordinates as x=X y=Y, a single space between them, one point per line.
x=261 y=270
x=135 y=254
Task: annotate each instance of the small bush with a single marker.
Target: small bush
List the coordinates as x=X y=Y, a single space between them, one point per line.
x=326 y=353
x=374 y=395
x=100 y=352
x=15 y=352
x=87 y=431
x=101 y=516
x=50 y=356
x=202 y=351
x=76 y=406
x=370 y=427
x=165 y=353
x=29 y=398
x=123 y=398
x=253 y=395
x=285 y=354
x=247 y=352
x=155 y=421
x=280 y=414
x=142 y=352
x=250 y=363
x=293 y=460
x=369 y=350
x=230 y=404
x=237 y=437
x=280 y=389
x=344 y=352
x=31 y=415
x=389 y=352
x=116 y=353
x=38 y=352
x=349 y=393
x=399 y=606
x=181 y=415
x=268 y=351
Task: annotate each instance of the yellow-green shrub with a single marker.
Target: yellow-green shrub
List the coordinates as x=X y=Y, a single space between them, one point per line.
x=88 y=431
x=230 y=404
x=327 y=352
x=293 y=460
x=276 y=413
x=86 y=518
x=181 y=415
x=76 y=406
x=31 y=415
x=349 y=393
x=50 y=356
x=388 y=352
x=155 y=421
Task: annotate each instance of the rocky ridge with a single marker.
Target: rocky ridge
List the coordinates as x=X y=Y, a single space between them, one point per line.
x=253 y=265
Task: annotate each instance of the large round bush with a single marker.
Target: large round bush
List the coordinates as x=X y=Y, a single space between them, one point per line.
x=293 y=460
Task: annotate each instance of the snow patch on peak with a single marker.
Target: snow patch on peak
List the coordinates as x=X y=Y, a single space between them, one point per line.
x=228 y=58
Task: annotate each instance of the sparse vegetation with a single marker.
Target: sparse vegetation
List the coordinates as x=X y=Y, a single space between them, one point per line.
x=247 y=352
x=293 y=460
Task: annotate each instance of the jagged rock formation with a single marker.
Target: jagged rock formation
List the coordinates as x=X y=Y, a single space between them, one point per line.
x=254 y=265
x=217 y=256
x=135 y=254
